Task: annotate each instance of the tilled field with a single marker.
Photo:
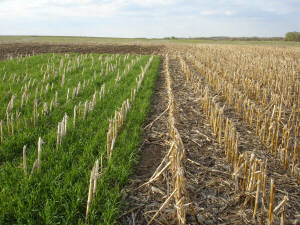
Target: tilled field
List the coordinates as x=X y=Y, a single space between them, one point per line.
x=21 y=49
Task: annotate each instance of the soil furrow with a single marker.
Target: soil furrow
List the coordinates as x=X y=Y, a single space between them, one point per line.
x=142 y=200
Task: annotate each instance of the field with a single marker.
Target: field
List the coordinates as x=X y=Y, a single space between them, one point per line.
x=140 y=41
x=149 y=133
x=70 y=102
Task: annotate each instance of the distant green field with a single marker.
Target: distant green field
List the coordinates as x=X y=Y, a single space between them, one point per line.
x=237 y=42
x=65 y=39
x=38 y=95
x=99 y=40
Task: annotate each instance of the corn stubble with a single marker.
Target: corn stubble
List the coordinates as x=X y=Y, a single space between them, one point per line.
x=171 y=168
x=269 y=107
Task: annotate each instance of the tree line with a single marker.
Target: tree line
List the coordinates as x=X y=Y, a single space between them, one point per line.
x=292 y=36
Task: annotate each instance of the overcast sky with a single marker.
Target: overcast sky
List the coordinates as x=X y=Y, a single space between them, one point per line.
x=149 y=18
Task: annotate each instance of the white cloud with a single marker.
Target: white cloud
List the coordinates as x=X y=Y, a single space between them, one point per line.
x=228 y=13
x=54 y=8
x=81 y=8
x=216 y=12
x=147 y=17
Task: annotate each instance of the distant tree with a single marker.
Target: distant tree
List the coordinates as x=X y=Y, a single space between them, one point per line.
x=170 y=38
x=292 y=36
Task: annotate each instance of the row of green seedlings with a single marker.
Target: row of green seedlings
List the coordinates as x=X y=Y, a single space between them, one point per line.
x=128 y=67
x=62 y=128
x=87 y=107
x=10 y=115
x=171 y=164
x=26 y=94
x=67 y=64
x=115 y=125
x=267 y=124
x=44 y=90
x=50 y=73
x=249 y=173
x=20 y=57
x=46 y=108
x=13 y=119
x=78 y=112
x=117 y=121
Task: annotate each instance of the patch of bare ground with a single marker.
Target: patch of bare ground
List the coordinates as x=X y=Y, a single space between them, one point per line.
x=21 y=49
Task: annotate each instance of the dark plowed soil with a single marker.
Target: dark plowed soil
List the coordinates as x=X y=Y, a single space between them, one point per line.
x=19 y=49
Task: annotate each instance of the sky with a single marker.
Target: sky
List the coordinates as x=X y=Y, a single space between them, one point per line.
x=149 y=18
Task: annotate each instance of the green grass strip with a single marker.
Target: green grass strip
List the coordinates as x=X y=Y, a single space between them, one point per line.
x=58 y=194
x=106 y=205
x=28 y=136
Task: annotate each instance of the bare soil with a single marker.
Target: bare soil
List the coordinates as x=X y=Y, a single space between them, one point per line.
x=21 y=49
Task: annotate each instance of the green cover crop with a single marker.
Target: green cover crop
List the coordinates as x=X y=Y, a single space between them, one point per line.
x=58 y=115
